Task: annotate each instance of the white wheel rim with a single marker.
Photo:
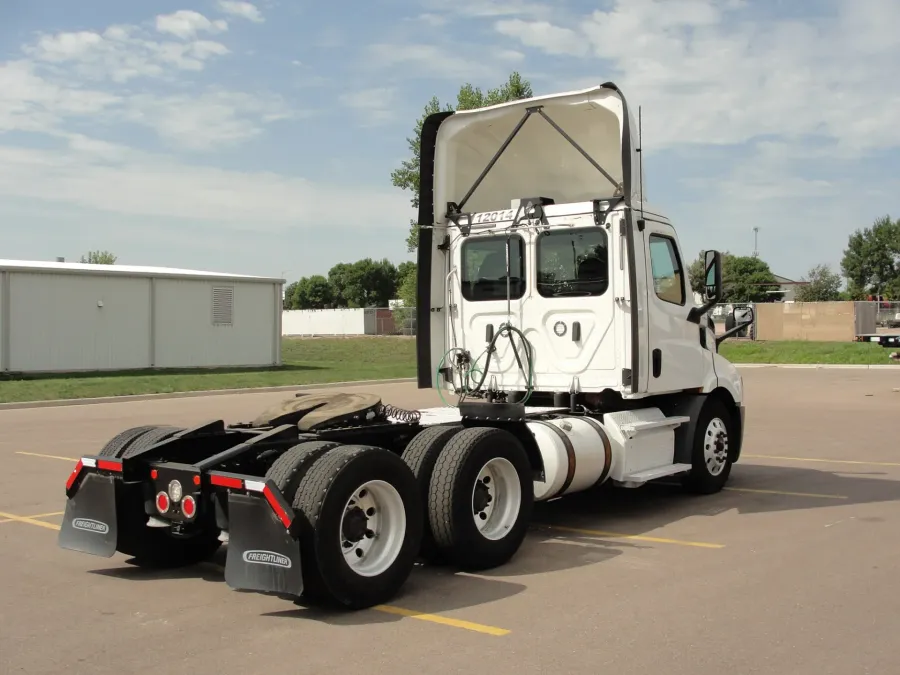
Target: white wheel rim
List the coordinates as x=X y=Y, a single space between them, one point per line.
x=496 y=498
x=372 y=528
x=715 y=446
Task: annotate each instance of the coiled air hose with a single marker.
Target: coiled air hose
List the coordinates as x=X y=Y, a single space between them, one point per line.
x=527 y=369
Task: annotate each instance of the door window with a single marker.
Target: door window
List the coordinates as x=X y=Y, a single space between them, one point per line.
x=484 y=268
x=668 y=274
x=573 y=262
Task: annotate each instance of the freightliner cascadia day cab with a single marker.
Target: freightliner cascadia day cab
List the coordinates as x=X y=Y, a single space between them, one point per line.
x=556 y=319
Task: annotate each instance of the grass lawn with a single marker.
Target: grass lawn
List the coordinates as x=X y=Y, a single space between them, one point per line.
x=323 y=360
x=831 y=353
x=306 y=361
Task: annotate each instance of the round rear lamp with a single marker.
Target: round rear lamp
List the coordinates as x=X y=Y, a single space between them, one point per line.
x=189 y=507
x=162 y=502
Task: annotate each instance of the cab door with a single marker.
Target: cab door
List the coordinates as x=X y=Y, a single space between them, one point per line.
x=675 y=353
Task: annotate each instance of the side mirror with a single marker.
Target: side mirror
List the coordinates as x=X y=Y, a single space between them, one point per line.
x=713 y=286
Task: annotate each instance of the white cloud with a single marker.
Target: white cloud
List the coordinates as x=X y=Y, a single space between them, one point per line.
x=244 y=10
x=375 y=105
x=210 y=120
x=123 y=53
x=707 y=73
x=186 y=24
x=116 y=179
x=544 y=36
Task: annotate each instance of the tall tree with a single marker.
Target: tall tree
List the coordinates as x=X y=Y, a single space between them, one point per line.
x=871 y=260
x=365 y=283
x=822 y=285
x=313 y=292
x=468 y=98
x=99 y=258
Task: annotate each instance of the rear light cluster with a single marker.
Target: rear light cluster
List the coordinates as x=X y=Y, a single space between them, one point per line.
x=175 y=495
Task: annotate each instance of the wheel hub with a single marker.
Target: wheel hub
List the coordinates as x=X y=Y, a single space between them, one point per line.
x=496 y=498
x=372 y=528
x=715 y=446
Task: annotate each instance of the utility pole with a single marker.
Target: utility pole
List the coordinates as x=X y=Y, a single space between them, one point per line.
x=756 y=242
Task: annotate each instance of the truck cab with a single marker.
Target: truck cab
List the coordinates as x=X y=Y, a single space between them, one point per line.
x=534 y=217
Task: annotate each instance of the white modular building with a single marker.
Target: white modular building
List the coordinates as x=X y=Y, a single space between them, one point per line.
x=65 y=317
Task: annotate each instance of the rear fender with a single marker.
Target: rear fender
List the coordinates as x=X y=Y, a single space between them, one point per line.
x=263 y=549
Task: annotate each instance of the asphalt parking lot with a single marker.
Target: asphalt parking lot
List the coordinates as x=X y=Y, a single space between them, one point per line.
x=791 y=570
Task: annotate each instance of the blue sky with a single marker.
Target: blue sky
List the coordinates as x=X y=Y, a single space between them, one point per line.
x=259 y=138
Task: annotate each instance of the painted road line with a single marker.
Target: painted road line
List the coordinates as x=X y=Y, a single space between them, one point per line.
x=824 y=461
x=636 y=537
x=28 y=520
x=443 y=620
x=389 y=609
x=37 y=454
x=786 y=493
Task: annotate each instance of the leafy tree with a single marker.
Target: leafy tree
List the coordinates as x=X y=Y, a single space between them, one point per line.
x=468 y=98
x=99 y=258
x=871 y=260
x=744 y=278
x=289 y=291
x=365 y=283
x=822 y=285
x=313 y=293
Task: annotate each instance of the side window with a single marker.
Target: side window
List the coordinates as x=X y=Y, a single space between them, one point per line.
x=668 y=274
x=573 y=262
x=483 y=274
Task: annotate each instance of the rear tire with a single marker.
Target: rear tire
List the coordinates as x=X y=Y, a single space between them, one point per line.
x=120 y=442
x=367 y=496
x=472 y=530
x=288 y=470
x=421 y=455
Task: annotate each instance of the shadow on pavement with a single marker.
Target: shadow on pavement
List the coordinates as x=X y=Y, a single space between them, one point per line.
x=439 y=589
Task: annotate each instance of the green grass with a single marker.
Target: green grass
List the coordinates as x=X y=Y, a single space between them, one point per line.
x=306 y=361
x=323 y=360
x=800 y=352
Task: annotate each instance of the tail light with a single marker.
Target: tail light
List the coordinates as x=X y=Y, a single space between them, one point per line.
x=189 y=507
x=162 y=502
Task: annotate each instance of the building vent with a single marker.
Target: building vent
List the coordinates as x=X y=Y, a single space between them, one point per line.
x=222 y=305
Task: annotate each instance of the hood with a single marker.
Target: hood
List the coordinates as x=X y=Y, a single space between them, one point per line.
x=539 y=161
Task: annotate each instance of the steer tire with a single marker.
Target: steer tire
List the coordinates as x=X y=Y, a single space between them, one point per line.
x=451 y=498
x=702 y=479
x=421 y=455
x=288 y=470
x=321 y=497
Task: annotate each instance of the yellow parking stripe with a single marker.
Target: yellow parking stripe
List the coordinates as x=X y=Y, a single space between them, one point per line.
x=636 y=537
x=443 y=620
x=29 y=520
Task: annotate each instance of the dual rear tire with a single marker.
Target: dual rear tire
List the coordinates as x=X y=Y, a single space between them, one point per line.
x=366 y=515
x=478 y=492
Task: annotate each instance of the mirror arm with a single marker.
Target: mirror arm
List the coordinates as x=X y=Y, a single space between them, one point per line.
x=728 y=333
x=697 y=313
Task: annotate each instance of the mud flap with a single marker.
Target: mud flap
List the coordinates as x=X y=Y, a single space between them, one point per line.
x=262 y=556
x=90 y=524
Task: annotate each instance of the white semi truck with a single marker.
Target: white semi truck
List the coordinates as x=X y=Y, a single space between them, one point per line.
x=555 y=316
